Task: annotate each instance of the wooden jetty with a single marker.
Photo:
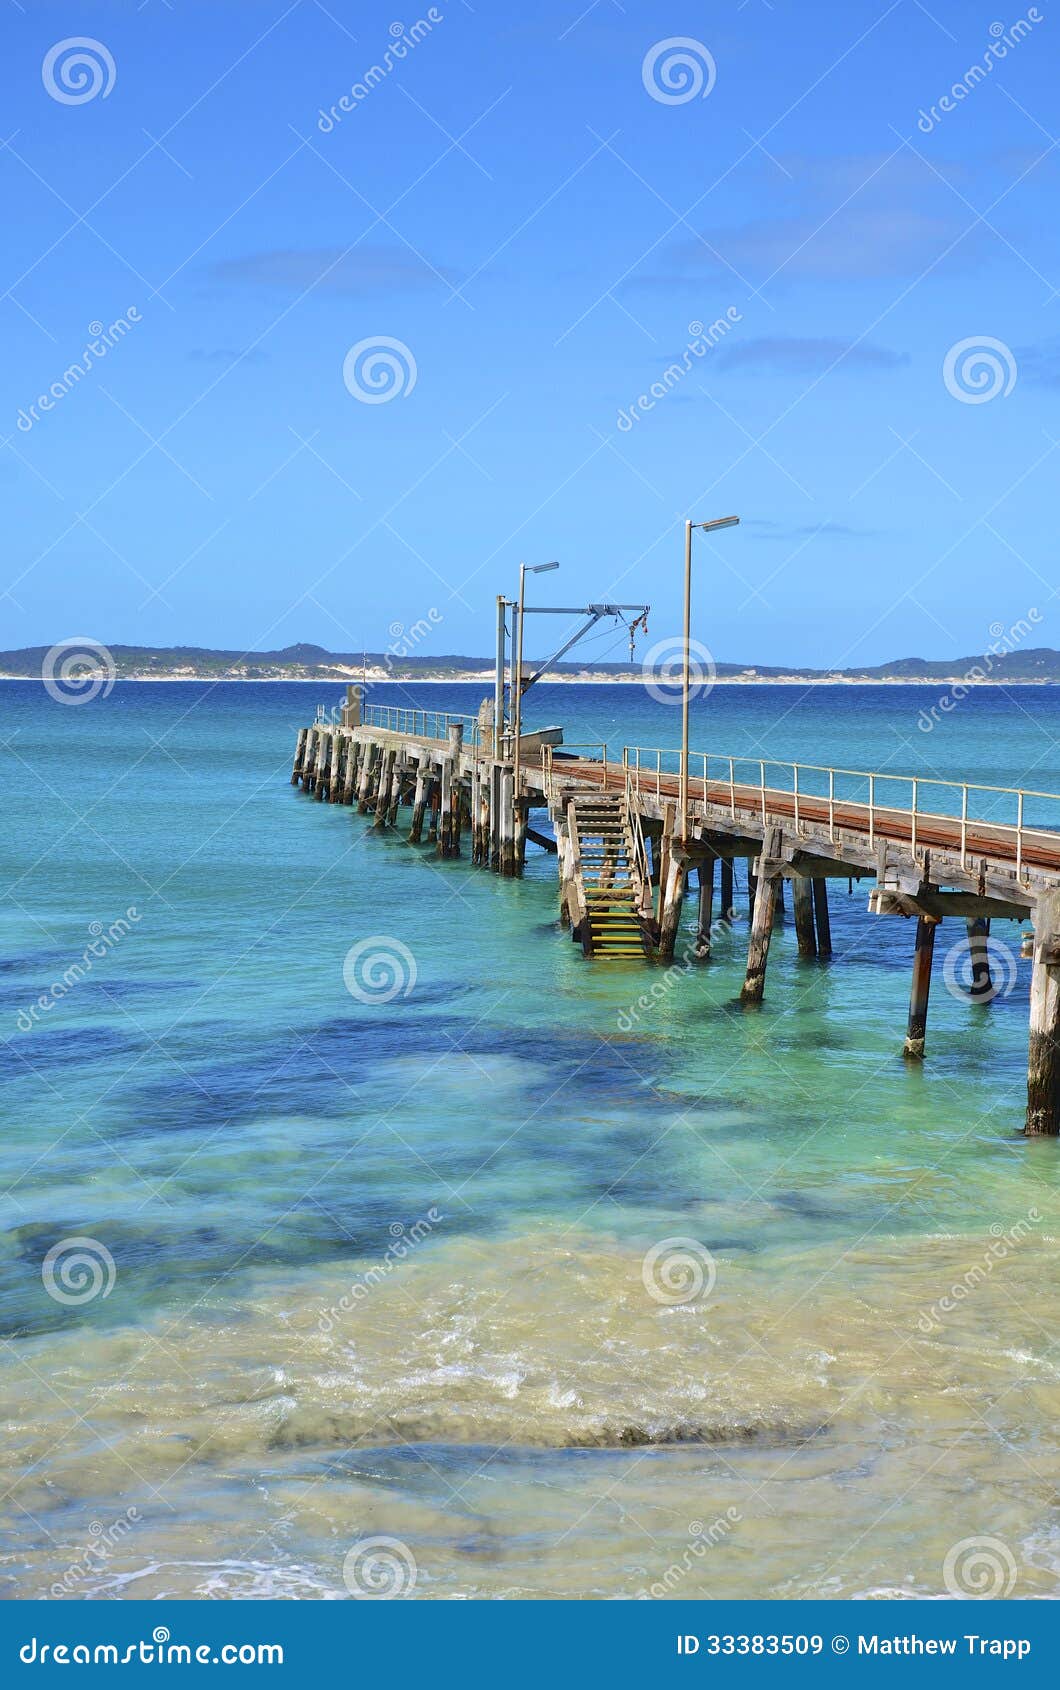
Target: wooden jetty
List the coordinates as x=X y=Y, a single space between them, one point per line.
x=931 y=848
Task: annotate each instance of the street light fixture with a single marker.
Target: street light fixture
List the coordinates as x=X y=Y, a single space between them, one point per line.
x=525 y=569
x=707 y=527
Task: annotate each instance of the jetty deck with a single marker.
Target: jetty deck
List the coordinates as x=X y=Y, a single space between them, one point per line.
x=932 y=849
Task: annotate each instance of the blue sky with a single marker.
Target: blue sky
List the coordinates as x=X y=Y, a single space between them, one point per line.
x=513 y=204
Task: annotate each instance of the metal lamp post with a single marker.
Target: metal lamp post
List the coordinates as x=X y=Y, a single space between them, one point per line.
x=525 y=569
x=686 y=679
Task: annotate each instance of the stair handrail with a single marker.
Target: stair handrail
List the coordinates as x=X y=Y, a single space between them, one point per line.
x=577 y=883
x=638 y=857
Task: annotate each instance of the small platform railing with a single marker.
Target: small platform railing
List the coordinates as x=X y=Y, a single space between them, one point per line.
x=593 y=751
x=419 y=724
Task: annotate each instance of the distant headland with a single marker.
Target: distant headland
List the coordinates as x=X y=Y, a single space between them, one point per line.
x=314 y=663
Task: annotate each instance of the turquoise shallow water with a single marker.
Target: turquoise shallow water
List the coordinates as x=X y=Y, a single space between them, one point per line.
x=378 y=1268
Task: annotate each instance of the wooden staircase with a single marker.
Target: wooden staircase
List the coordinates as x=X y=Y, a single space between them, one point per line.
x=611 y=882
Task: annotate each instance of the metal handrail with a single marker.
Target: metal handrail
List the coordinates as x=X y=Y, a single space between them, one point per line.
x=546 y=774
x=639 y=859
x=417 y=723
x=641 y=762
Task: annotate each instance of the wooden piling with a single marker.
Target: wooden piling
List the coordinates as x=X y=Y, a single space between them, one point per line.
x=450 y=802
x=382 y=795
x=802 y=897
x=564 y=868
x=820 y=910
x=376 y=781
x=458 y=805
x=353 y=750
x=309 y=760
x=435 y=805
x=706 y=908
x=765 y=897
x=419 y=799
x=395 y=790
x=924 y=950
x=334 y=774
x=445 y=808
x=323 y=755
x=299 y=756
x=521 y=821
x=673 y=892
x=727 y=908
x=494 y=859
x=481 y=810
x=982 y=986
x=661 y=860
x=1043 y=1056
x=506 y=823
x=364 y=779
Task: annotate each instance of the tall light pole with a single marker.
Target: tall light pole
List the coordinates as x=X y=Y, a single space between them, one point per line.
x=525 y=569
x=498 y=680
x=686 y=678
